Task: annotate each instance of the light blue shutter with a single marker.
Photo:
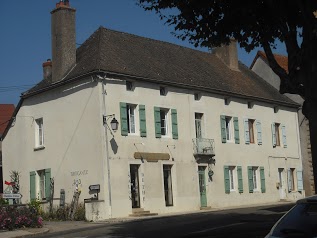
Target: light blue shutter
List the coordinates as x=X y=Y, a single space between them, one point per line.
x=289 y=179
x=236 y=130
x=124 y=119
x=284 y=136
x=227 y=180
x=246 y=131
x=142 y=120
x=262 y=176
x=47 y=183
x=223 y=128
x=259 y=132
x=300 y=186
x=250 y=178
x=240 y=181
x=32 y=186
x=157 y=121
x=273 y=135
x=174 y=124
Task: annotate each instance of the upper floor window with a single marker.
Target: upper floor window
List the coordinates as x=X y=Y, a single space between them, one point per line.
x=228 y=127
x=131 y=118
x=232 y=175
x=162 y=91
x=129 y=86
x=164 y=121
x=251 y=130
x=39 y=133
x=198 y=124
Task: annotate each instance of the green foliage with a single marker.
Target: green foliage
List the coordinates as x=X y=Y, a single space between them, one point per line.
x=62 y=213
x=80 y=213
x=3 y=201
x=35 y=205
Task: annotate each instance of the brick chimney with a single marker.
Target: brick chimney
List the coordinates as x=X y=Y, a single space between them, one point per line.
x=63 y=40
x=228 y=54
x=47 y=69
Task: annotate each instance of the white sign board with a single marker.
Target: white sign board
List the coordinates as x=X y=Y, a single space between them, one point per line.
x=11 y=195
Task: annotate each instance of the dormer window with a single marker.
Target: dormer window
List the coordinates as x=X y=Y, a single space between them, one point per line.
x=129 y=86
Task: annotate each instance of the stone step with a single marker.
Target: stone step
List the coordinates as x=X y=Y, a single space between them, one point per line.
x=205 y=208
x=136 y=210
x=142 y=214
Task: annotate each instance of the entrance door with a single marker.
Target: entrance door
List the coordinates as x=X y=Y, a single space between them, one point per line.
x=202 y=186
x=135 y=191
x=282 y=188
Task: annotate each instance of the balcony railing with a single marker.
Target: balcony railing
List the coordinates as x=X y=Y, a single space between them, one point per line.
x=204 y=146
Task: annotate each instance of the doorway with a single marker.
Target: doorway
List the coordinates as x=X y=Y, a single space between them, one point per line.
x=135 y=188
x=281 y=177
x=202 y=186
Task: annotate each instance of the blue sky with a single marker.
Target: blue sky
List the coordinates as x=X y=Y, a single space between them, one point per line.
x=25 y=36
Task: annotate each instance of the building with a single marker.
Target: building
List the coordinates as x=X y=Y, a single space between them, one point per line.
x=196 y=129
x=6 y=111
x=261 y=67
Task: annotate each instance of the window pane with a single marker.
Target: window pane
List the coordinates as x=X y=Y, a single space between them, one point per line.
x=228 y=133
x=131 y=118
x=277 y=134
x=255 y=182
x=251 y=131
x=163 y=115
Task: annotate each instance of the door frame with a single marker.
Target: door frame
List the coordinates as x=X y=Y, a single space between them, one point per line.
x=202 y=196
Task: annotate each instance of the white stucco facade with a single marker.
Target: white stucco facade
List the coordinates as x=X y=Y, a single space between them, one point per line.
x=75 y=148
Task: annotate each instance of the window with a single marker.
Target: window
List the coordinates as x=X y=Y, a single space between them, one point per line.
x=251 y=130
x=250 y=105
x=196 y=96
x=129 y=86
x=277 y=134
x=168 y=192
x=255 y=178
x=162 y=91
x=198 y=124
x=41 y=184
x=291 y=179
x=276 y=109
x=227 y=101
x=232 y=178
x=131 y=118
x=39 y=134
x=228 y=128
x=164 y=121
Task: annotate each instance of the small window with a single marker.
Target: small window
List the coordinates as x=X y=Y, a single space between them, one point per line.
x=168 y=191
x=131 y=118
x=41 y=184
x=129 y=86
x=251 y=130
x=39 y=134
x=232 y=180
x=196 y=96
x=164 y=121
x=277 y=134
x=276 y=109
x=227 y=101
x=162 y=91
x=229 y=136
x=250 y=105
x=255 y=178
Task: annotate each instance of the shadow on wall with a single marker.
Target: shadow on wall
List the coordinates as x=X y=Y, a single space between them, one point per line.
x=114 y=145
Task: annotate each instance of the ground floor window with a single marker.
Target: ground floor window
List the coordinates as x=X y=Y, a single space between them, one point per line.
x=291 y=179
x=168 y=192
x=255 y=178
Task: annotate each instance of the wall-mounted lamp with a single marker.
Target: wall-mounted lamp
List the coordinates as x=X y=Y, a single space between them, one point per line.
x=113 y=124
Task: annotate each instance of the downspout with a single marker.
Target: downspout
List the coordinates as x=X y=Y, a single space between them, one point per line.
x=103 y=82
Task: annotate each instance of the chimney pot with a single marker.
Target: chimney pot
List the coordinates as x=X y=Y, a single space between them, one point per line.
x=47 y=69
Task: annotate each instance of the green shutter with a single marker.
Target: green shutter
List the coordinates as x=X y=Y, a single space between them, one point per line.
x=174 y=124
x=236 y=130
x=47 y=184
x=32 y=186
x=273 y=135
x=240 y=181
x=157 y=121
x=250 y=177
x=223 y=128
x=259 y=131
x=124 y=119
x=300 y=186
x=227 y=180
x=246 y=131
x=262 y=176
x=142 y=120
x=284 y=136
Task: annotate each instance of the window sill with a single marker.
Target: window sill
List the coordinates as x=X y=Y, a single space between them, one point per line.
x=42 y=147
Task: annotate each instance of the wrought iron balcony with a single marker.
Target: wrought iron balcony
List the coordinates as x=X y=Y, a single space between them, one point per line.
x=204 y=146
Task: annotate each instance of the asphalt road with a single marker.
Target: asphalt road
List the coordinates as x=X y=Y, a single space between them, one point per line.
x=245 y=222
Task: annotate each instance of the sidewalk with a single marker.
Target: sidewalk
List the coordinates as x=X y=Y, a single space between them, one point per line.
x=58 y=226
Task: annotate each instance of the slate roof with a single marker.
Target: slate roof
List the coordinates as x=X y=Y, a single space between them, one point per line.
x=126 y=54
x=6 y=112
